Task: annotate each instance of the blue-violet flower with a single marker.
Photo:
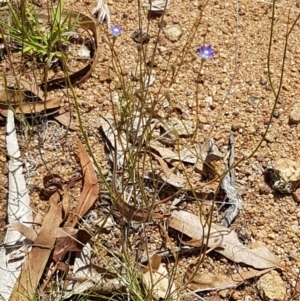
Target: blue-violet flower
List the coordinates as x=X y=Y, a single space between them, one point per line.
x=206 y=52
x=116 y=30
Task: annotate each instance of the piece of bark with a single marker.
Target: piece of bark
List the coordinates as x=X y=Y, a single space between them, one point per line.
x=18 y=210
x=228 y=185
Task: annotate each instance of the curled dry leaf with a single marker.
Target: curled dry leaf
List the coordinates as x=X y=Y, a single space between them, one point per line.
x=210 y=151
x=69 y=240
x=90 y=188
x=27 y=232
x=89 y=26
x=52 y=183
x=196 y=156
x=233 y=196
x=17 y=91
x=224 y=241
x=159 y=6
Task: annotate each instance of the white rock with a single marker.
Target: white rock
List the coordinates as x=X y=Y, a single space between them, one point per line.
x=173 y=33
x=295 y=114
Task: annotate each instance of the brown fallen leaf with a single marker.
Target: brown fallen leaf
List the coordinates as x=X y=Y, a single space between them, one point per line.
x=32 y=107
x=69 y=240
x=208 y=282
x=65 y=203
x=224 y=241
x=65 y=118
x=133 y=214
x=90 y=190
x=15 y=86
x=35 y=263
x=15 y=92
x=166 y=153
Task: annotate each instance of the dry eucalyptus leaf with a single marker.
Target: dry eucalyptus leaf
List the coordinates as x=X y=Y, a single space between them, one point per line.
x=181 y=128
x=38 y=257
x=17 y=91
x=65 y=118
x=210 y=152
x=156 y=278
x=34 y=107
x=167 y=174
x=27 y=232
x=224 y=241
x=209 y=282
x=90 y=190
x=133 y=214
x=169 y=156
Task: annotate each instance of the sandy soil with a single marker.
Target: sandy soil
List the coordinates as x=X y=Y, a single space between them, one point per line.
x=233 y=93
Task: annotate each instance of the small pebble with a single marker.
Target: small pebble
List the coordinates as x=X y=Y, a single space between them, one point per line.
x=295 y=114
x=237 y=126
x=264 y=189
x=263 y=81
x=296 y=195
x=175 y=20
x=162 y=41
x=162 y=24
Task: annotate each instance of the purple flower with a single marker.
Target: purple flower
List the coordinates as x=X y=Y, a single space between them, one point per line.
x=206 y=52
x=116 y=30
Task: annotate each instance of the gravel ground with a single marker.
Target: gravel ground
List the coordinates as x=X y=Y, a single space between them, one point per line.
x=233 y=92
